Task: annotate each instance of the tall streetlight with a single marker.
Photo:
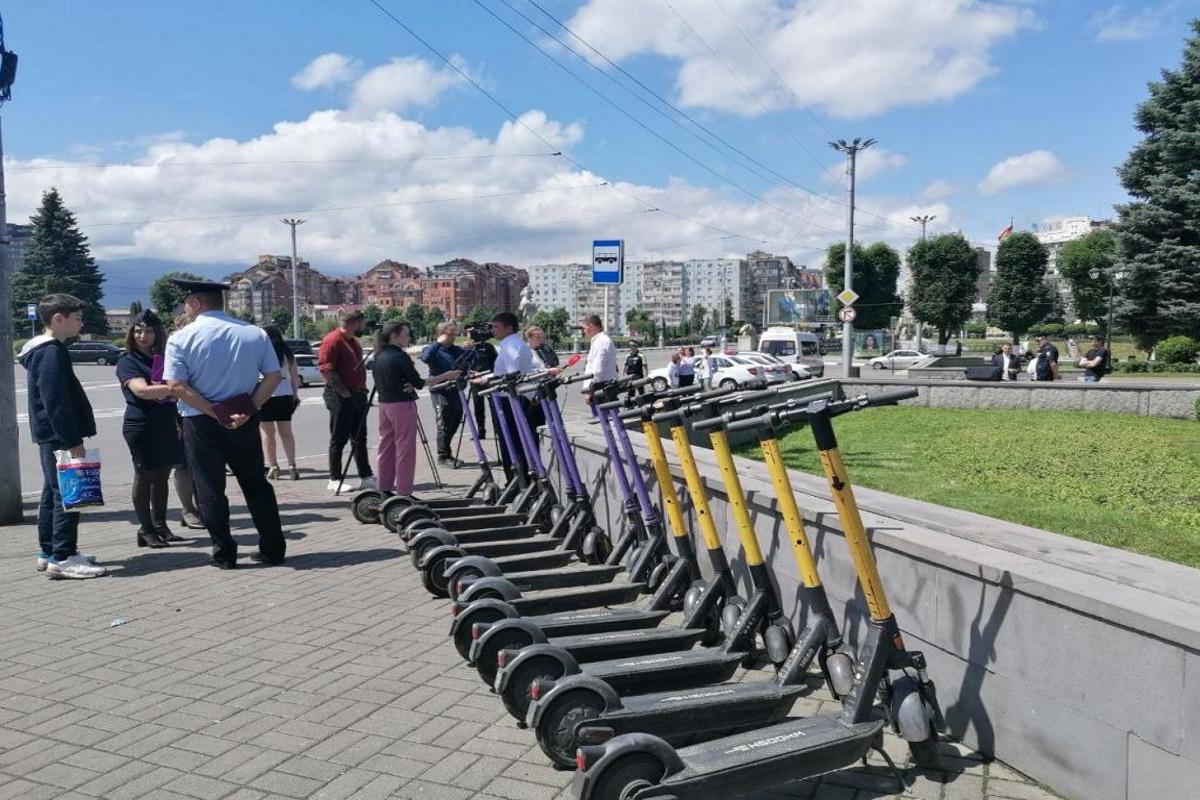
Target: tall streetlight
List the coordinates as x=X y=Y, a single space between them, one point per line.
x=924 y=220
x=10 y=465
x=1113 y=275
x=851 y=149
x=293 y=223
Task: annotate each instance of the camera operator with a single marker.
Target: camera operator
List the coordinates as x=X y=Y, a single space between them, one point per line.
x=485 y=361
x=441 y=357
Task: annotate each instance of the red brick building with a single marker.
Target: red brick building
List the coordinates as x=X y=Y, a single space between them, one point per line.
x=390 y=283
x=456 y=287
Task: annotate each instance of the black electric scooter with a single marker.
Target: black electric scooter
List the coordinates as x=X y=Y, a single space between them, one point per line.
x=702 y=602
x=639 y=766
x=762 y=615
x=582 y=709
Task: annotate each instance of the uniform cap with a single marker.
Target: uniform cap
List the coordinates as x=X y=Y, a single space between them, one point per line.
x=200 y=287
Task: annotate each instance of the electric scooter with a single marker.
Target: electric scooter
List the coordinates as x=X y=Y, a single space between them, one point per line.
x=639 y=766
x=582 y=709
x=762 y=615
x=702 y=600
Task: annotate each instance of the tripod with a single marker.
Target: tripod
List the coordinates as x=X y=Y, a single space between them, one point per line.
x=362 y=425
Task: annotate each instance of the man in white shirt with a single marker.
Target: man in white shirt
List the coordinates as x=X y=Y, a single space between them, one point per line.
x=513 y=354
x=602 y=356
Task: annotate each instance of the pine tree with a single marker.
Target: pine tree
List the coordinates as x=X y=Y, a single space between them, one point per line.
x=945 y=274
x=1159 y=232
x=135 y=308
x=1019 y=296
x=58 y=260
x=876 y=271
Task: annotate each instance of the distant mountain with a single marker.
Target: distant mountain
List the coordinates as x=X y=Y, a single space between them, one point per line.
x=129 y=279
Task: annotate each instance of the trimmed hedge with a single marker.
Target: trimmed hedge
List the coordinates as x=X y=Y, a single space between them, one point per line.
x=1135 y=367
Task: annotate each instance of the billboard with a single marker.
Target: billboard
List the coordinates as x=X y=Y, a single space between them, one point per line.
x=792 y=306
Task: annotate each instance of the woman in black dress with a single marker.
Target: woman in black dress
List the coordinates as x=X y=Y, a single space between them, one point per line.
x=150 y=429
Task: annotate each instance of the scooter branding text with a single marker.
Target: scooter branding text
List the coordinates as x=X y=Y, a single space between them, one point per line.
x=745 y=748
x=696 y=696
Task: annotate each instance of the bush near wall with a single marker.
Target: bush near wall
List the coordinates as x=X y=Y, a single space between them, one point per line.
x=1177 y=350
x=1157 y=367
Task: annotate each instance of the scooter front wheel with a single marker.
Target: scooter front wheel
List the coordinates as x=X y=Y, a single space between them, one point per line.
x=626 y=776
x=365 y=506
x=464 y=577
x=463 y=633
x=485 y=659
x=433 y=578
x=556 y=727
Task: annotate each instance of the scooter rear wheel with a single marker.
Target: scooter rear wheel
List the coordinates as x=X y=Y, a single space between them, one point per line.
x=463 y=633
x=485 y=662
x=365 y=506
x=628 y=775
x=466 y=576
x=433 y=578
x=556 y=727
x=516 y=695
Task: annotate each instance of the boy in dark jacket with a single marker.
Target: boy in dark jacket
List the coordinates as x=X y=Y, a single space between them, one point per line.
x=60 y=417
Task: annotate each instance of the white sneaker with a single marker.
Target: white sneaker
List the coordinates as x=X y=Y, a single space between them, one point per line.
x=76 y=566
x=44 y=561
x=368 y=483
x=332 y=486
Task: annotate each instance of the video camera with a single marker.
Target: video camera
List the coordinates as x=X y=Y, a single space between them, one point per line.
x=479 y=335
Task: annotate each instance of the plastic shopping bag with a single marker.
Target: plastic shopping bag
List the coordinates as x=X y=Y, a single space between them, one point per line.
x=79 y=479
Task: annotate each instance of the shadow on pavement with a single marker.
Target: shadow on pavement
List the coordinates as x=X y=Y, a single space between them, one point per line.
x=340 y=558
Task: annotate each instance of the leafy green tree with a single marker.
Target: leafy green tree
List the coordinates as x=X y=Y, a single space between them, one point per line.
x=554 y=323
x=243 y=315
x=135 y=307
x=876 y=270
x=58 y=260
x=1019 y=296
x=282 y=318
x=1097 y=251
x=945 y=271
x=313 y=329
x=639 y=323
x=166 y=297
x=1056 y=309
x=1159 y=232
x=417 y=317
x=697 y=318
x=479 y=316
x=373 y=315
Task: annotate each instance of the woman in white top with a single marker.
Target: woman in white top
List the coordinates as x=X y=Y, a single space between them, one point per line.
x=673 y=371
x=276 y=413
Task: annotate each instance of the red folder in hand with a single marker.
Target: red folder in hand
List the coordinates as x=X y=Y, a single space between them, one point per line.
x=238 y=404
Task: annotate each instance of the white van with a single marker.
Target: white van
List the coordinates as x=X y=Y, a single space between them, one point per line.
x=794 y=347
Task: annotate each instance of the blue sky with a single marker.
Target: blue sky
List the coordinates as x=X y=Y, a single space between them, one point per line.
x=1050 y=84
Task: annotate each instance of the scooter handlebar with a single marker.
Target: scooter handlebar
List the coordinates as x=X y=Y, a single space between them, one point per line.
x=787 y=416
x=891 y=397
x=576 y=378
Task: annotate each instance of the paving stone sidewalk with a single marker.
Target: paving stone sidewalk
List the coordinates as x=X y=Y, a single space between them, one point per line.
x=330 y=677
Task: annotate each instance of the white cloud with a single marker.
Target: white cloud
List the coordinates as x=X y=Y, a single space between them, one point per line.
x=1120 y=24
x=1035 y=168
x=869 y=164
x=850 y=58
x=329 y=69
x=938 y=189
x=401 y=83
x=382 y=185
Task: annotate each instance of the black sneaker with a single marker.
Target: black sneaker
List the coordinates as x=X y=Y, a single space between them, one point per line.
x=258 y=558
x=219 y=564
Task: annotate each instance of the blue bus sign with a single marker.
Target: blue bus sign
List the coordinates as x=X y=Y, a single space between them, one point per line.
x=608 y=261
x=31 y=311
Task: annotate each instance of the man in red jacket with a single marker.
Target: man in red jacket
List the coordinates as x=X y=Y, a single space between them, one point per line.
x=340 y=360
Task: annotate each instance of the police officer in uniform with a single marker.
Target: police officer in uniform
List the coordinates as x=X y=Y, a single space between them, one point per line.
x=223 y=370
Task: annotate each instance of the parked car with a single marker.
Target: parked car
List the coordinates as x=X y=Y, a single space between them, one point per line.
x=300 y=347
x=306 y=365
x=897 y=359
x=708 y=341
x=101 y=353
x=794 y=347
x=730 y=370
x=776 y=370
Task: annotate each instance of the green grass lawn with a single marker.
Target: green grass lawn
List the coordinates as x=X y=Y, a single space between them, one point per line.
x=1128 y=482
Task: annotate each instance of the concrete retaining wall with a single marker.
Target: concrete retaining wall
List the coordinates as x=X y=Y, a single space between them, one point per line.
x=1075 y=663
x=1174 y=400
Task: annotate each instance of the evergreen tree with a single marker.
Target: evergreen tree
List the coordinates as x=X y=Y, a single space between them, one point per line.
x=166 y=297
x=1076 y=261
x=1019 y=296
x=1159 y=232
x=876 y=270
x=135 y=308
x=58 y=260
x=945 y=273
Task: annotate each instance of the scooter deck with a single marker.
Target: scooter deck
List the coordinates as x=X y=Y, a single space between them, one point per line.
x=581 y=575
x=577 y=597
x=766 y=757
x=497 y=534
x=510 y=546
x=441 y=504
x=596 y=620
x=623 y=644
x=665 y=671
x=682 y=716
x=457 y=512
x=482 y=523
x=551 y=559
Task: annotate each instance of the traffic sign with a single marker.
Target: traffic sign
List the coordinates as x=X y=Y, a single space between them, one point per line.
x=847 y=297
x=608 y=261
x=847 y=314
x=31 y=311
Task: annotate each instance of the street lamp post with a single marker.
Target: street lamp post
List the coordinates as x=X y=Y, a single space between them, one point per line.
x=1112 y=275
x=924 y=220
x=851 y=149
x=293 y=223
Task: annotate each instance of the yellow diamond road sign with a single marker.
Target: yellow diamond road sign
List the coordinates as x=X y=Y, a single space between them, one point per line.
x=847 y=297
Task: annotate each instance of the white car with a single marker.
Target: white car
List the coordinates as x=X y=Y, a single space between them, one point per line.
x=729 y=371
x=307 y=367
x=777 y=370
x=897 y=359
